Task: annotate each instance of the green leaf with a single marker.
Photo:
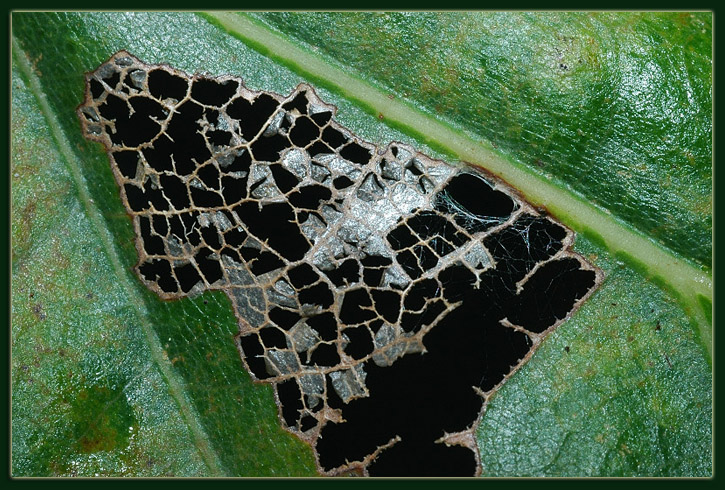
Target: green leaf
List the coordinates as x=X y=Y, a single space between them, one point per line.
x=108 y=379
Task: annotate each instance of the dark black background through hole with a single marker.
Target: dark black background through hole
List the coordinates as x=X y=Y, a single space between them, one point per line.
x=422 y=396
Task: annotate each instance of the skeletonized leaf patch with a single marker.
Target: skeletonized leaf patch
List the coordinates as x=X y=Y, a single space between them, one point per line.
x=384 y=294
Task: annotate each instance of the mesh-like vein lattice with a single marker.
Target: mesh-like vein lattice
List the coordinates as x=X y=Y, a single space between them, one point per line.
x=385 y=295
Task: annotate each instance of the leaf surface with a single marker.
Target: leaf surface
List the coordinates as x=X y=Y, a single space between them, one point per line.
x=108 y=379
x=614 y=107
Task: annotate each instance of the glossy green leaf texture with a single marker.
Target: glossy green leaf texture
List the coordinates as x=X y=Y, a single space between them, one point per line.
x=109 y=380
x=618 y=108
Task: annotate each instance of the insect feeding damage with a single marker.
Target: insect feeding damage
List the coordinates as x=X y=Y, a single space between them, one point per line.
x=384 y=294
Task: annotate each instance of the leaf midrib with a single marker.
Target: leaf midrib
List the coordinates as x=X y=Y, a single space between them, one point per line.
x=683 y=278
x=176 y=385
